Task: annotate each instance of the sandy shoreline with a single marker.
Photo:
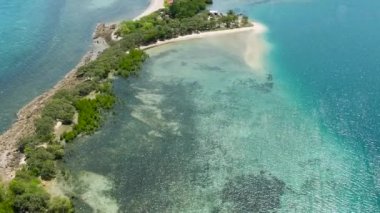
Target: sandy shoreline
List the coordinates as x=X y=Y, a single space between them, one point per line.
x=154 y=5
x=24 y=125
x=257 y=28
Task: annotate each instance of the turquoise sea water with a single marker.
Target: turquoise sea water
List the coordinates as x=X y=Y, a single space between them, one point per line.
x=40 y=41
x=199 y=131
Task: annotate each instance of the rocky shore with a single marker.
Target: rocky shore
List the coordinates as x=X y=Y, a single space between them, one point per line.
x=10 y=157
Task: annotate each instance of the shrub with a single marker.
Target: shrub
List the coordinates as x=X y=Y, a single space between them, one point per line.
x=60 y=205
x=86 y=88
x=65 y=94
x=69 y=136
x=28 y=143
x=44 y=128
x=105 y=87
x=5 y=207
x=31 y=202
x=27 y=193
x=127 y=27
x=90 y=114
x=57 y=150
x=105 y=101
x=59 y=109
x=5 y=200
x=131 y=63
x=2 y=193
x=40 y=163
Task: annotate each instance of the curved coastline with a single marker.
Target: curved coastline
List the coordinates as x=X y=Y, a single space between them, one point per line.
x=10 y=157
x=153 y=6
x=257 y=28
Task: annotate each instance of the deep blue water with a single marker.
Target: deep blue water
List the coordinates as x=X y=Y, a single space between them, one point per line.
x=40 y=41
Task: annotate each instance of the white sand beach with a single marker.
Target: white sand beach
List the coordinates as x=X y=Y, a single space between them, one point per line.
x=153 y=6
x=257 y=28
x=249 y=43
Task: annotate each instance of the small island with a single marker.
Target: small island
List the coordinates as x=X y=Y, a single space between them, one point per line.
x=76 y=105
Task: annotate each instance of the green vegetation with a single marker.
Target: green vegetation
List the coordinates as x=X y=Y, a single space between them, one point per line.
x=25 y=194
x=183 y=17
x=93 y=95
x=40 y=162
x=60 y=205
x=131 y=63
x=59 y=109
x=186 y=8
x=5 y=200
x=89 y=115
x=44 y=128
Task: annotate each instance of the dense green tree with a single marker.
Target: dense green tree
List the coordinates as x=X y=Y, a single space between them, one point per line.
x=65 y=94
x=27 y=193
x=186 y=8
x=31 y=202
x=28 y=143
x=44 y=128
x=127 y=26
x=57 y=150
x=89 y=116
x=5 y=200
x=86 y=88
x=40 y=163
x=69 y=136
x=131 y=62
x=59 y=109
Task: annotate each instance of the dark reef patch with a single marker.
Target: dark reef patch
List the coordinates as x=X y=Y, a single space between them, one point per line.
x=264 y=87
x=165 y=54
x=254 y=193
x=211 y=68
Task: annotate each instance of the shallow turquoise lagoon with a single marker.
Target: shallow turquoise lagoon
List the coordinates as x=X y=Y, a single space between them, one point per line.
x=200 y=131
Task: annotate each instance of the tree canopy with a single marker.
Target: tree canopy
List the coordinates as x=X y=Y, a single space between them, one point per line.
x=186 y=8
